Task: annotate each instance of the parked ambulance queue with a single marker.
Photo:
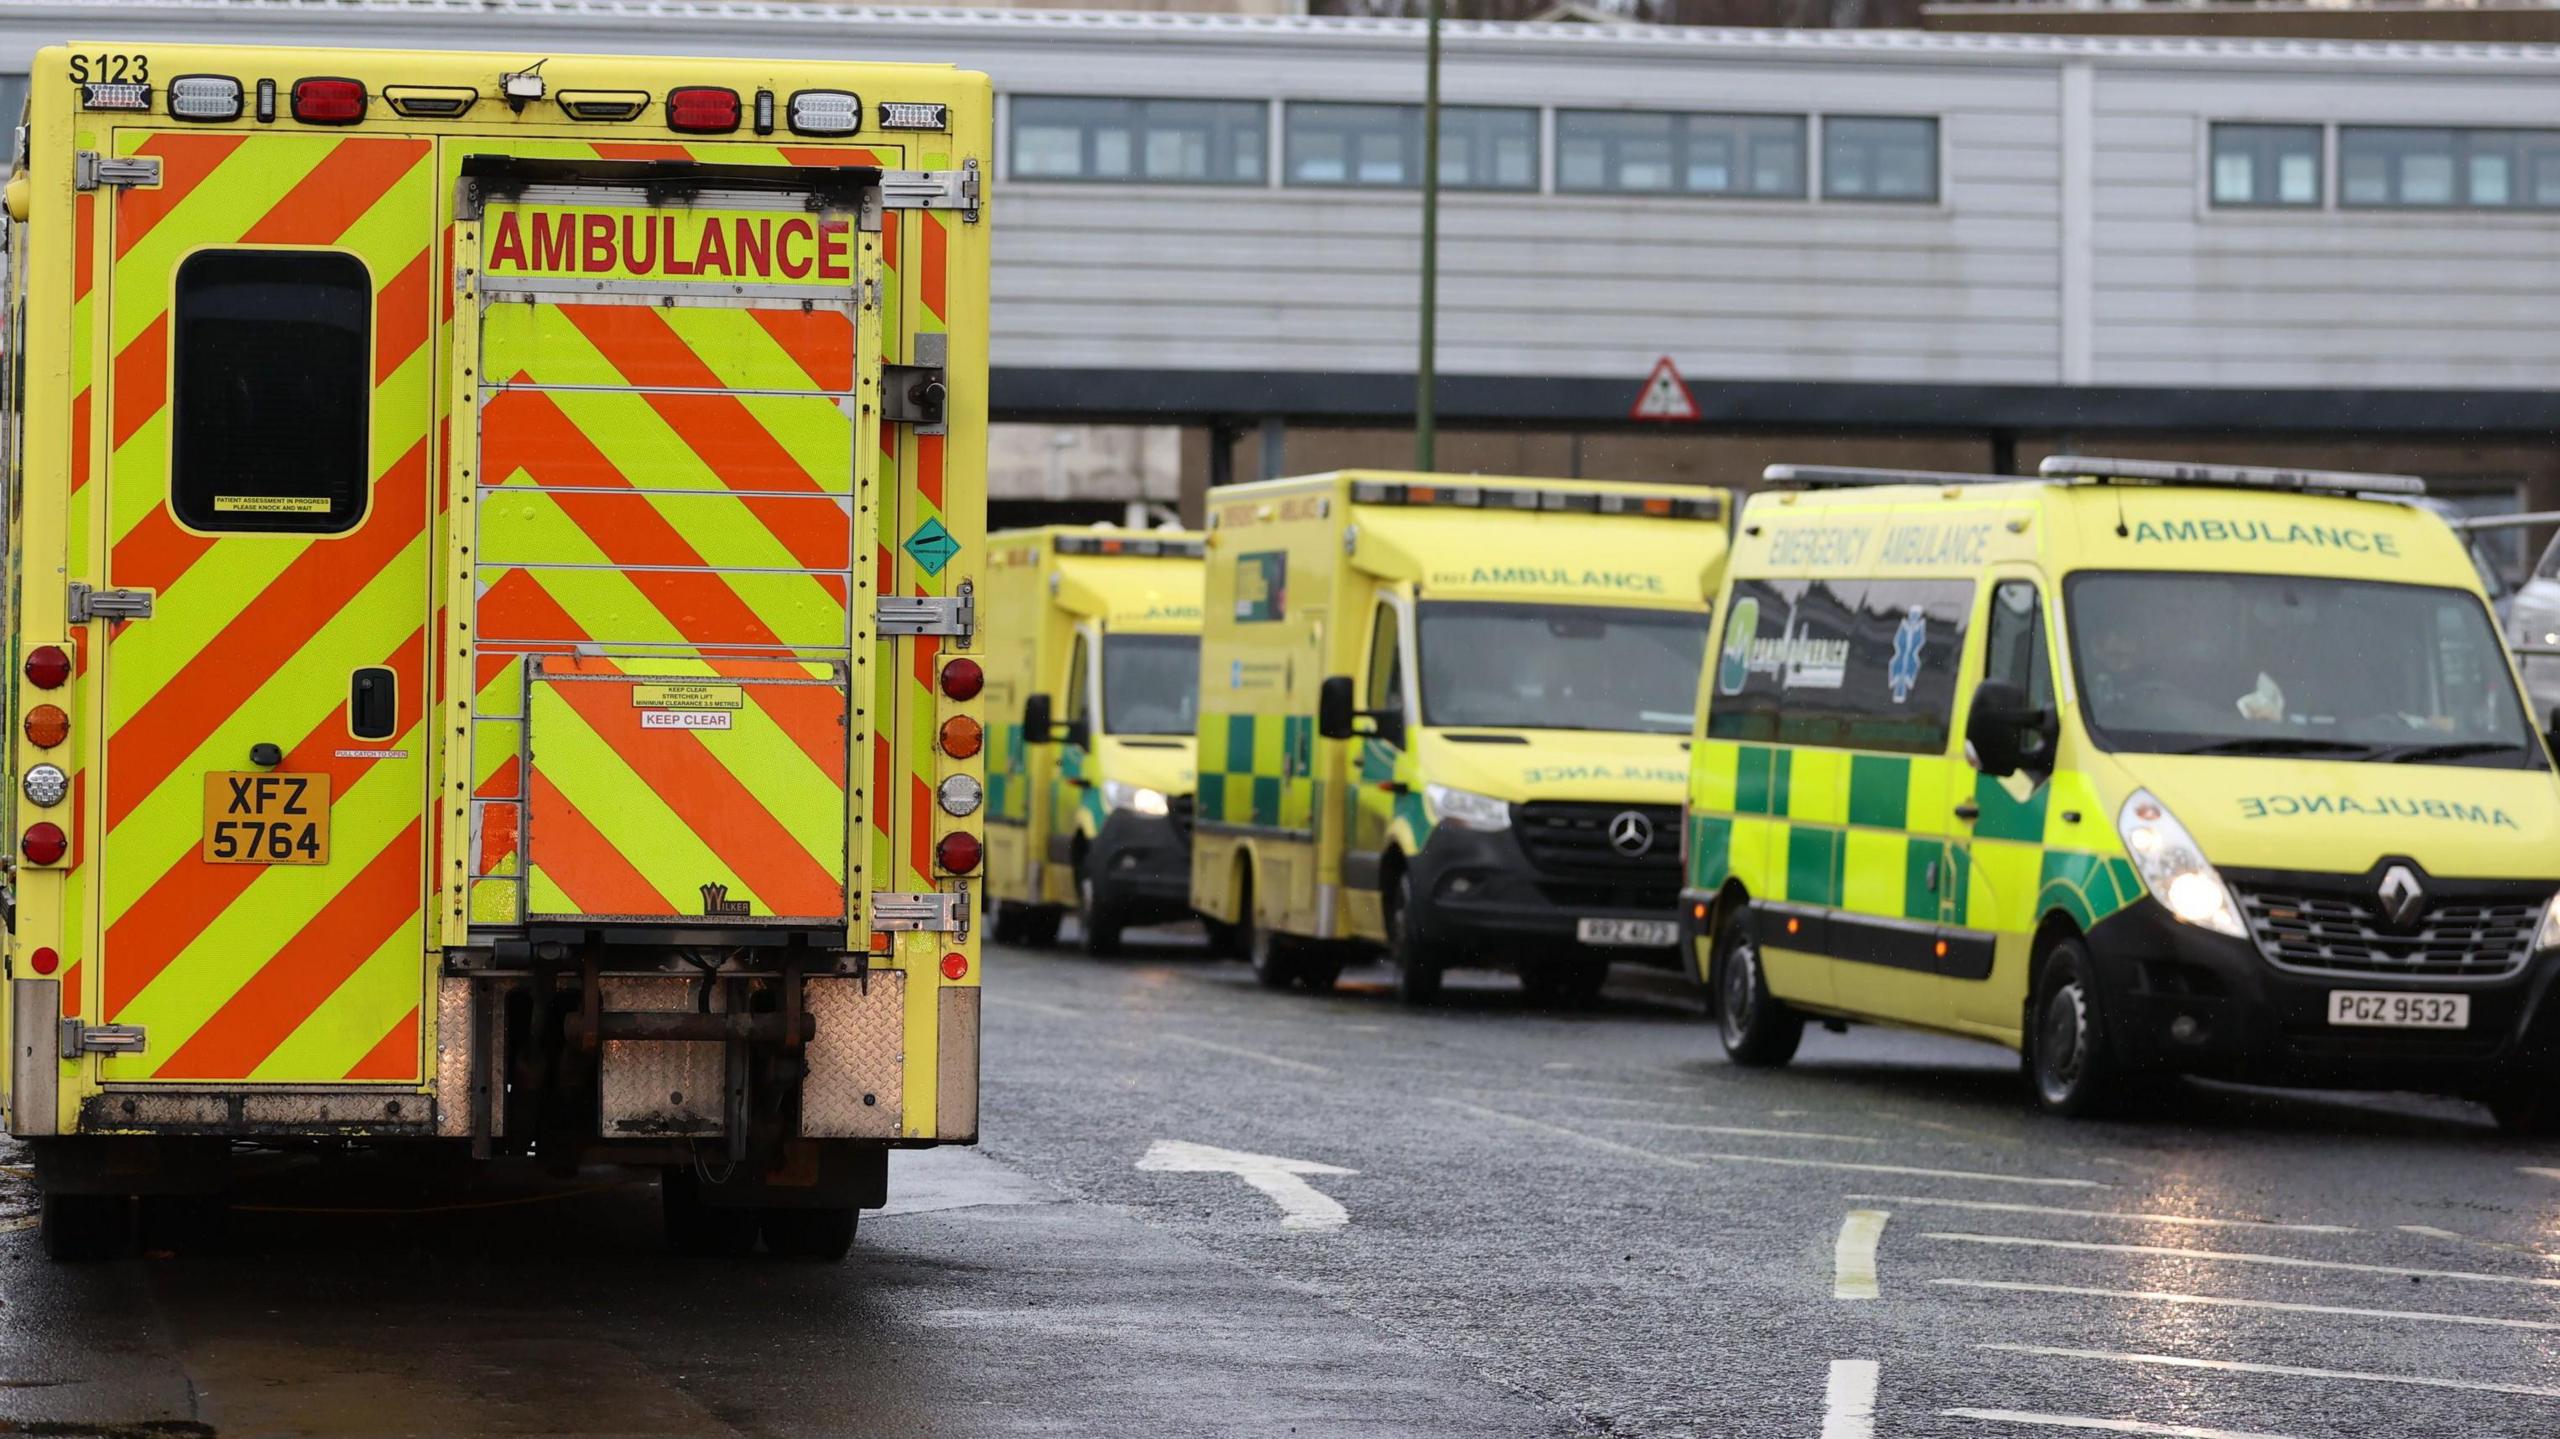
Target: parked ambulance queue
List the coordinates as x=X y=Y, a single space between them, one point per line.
x=2137 y=768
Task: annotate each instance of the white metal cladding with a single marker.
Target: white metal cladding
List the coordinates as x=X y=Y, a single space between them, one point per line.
x=2072 y=244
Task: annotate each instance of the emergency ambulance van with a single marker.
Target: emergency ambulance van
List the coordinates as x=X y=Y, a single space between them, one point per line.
x=492 y=579
x=1444 y=716
x=2140 y=769
x=1093 y=672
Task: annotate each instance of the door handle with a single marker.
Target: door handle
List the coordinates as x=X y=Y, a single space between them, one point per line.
x=1968 y=811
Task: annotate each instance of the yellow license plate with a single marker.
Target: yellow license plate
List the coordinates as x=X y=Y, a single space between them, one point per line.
x=260 y=817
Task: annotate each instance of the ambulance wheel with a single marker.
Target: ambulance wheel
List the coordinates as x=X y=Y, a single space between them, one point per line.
x=1275 y=958
x=2068 y=1060
x=698 y=1230
x=1100 y=931
x=1226 y=941
x=824 y=1233
x=1040 y=926
x=1418 y=970
x=78 y=1228
x=1758 y=1029
x=1318 y=972
x=1004 y=922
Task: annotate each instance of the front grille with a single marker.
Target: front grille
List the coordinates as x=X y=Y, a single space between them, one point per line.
x=1571 y=841
x=1593 y=895
x=2340 y=933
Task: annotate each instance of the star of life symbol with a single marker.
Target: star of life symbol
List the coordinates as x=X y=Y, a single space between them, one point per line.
x=1904 y=670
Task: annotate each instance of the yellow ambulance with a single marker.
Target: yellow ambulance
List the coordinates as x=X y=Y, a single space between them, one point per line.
x=1095 y=671
x=1444 y=717
x=2139 y=768
x=492 y=583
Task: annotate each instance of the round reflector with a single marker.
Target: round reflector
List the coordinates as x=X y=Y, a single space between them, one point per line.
x=957 y=853
x=954 y=965
x=962 y=679
x=961 y=736
x=47 y=726
x=44 y=843
x=44 y=960
x=48 y=667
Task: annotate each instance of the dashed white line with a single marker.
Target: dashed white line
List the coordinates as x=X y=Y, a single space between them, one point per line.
x=1744 y=1130
x=1849 y=1400
x=2236 y=1366
x=2105 y=1426
x=1701 y=1161
x=2429 y=1231
x=1853 y=1255
x=2162 y=1296
x=2191 y=1220
x=2224 y=1256
x=2537 y=1171
x=1240 y=1052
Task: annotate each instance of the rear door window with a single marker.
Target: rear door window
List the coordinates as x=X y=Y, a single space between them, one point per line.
x=273 y=386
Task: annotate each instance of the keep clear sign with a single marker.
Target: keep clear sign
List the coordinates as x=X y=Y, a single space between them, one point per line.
x=687 y=706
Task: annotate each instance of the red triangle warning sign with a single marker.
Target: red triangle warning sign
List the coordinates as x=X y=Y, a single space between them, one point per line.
x=1666 y=396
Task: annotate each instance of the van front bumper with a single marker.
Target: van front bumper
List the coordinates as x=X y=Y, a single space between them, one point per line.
x=1478 y=900
x=1141 y=867
x=2185 y=1000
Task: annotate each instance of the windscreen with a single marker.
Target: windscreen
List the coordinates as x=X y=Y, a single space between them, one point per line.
x=1578 y=667
x=2276 y=664
x=1150 y=684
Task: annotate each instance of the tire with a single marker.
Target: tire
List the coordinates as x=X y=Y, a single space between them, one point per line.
x=2070 y=1067
x=1758 y=1029
x=1040 y=927
x=1098 y=930
x=698 y=1230
x=1318 y=975
x=1226 y=941
x=1274 y=958
x=824 y=1233
x=1005 y=925
x=84 y=1228
x=1418 y=970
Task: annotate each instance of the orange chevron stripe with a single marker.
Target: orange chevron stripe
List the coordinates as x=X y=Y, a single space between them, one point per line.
x=306 y=969
x=155 y=552
x=530 y=422
x=185 y=161
x=937 y=255
x=709 y=800
x=396 y=1057
x=820 y=342
x=929 y=469
x=141 y=380
x=724 y=432
x=400 y=322
x=351 y=179
x=813 y=717
x=500 y=836
x=589 y=870
x=274 y=627
x=143 y=940
x=517 y=608
x=71 y=991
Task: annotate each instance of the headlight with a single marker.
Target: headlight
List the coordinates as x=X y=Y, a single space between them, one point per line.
x=2173 y=868
x=46 y=785
x=2549 y=938
x=1467 y=809
x=1120 y=794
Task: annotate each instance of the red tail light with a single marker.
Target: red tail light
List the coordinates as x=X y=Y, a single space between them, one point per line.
x=702 y=110
x=957 y=853
x=962 y=679
x=954 y=965
x=328 y=101
x=44 y=843
x=48 y=666
x=44 y=961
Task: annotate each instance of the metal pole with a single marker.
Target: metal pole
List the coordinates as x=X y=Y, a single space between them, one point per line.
x=1426 y=378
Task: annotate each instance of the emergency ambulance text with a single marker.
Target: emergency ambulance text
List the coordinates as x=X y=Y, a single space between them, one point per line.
x=571 y=242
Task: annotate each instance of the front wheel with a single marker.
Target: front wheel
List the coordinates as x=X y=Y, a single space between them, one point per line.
x=1274 y=957
x=2069 y=1063
x=1758 y=1028
x=1417 y=969
x=1099 y=927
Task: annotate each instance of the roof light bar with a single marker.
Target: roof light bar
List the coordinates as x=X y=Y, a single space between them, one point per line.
x=2255 y=477
x=204 y=99
x=1820 y=477
x=1515 y=497
x=603 y=104
x=914 y=115
x=1147 y=545
x=825 y=112
x=114 y=95
x=429 y=102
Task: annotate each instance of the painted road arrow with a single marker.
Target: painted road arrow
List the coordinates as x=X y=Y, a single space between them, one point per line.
x=1301 y=1206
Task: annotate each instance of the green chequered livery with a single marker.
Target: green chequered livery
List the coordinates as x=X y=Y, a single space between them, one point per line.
x=1008 y=777
x=1258 y=770
x=1877 y=834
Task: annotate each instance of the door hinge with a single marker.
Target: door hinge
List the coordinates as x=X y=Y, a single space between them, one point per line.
x=919 y=394
x=953 y=616
x=89 y=170
x=933 y=190
x=78 y=1038
x=933 y=911
x=87 y=604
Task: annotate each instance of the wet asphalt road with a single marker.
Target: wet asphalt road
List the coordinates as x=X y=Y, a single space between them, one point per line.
x=1554 y=1223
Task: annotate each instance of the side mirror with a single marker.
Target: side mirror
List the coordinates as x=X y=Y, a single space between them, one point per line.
x=2003 y=734
x=1036 y=726
x=1389 y=726
x=1078 y=733
x=1334 y=714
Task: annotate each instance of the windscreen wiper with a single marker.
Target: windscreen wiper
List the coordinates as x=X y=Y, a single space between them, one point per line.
x=2279 y=744
x=2418 y=754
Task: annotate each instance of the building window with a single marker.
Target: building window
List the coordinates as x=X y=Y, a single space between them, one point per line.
x=1380 y=146
x=273 y=383
x=2266 y=165
x=1170 y=142
x=2439 y=167
x=1872 y=157
x=1636 y=152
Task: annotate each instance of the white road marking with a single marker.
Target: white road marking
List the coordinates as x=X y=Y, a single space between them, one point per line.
x=2000 y=1207
x=1701 y=1161
x=1685 y=1106
x=1301 y=1205
x=1853 y=1255
x=2538 y=1172
x=2235 y=1366
x=2107 y=1426
x=1849 y=1400
x=1240 y=1052
x=2224 y=1256
x=2429 y=1231
x=2160 y=1296
x=1743 y=1130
